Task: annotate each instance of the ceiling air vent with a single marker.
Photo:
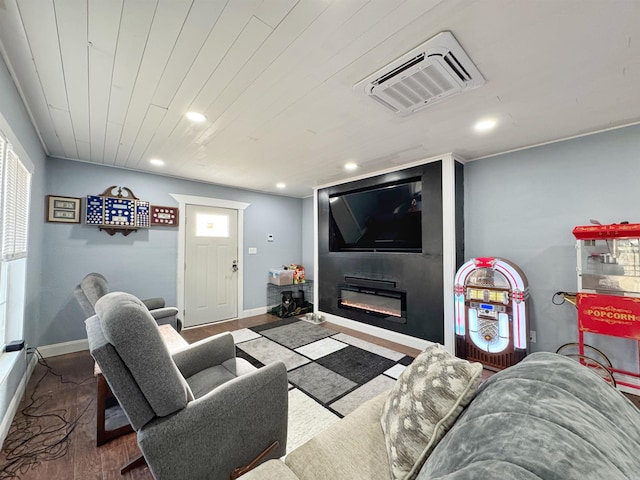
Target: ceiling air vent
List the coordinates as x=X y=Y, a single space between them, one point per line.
x=427 y=74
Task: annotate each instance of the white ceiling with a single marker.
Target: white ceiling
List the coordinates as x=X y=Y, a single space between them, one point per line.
x=109 y=82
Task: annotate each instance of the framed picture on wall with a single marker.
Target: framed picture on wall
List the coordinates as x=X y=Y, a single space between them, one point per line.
x=63 y=209
x=164 y=216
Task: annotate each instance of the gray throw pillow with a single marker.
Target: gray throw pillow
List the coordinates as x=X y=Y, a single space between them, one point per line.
x=423 y=405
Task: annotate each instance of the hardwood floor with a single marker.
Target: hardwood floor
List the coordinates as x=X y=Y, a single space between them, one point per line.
x=68 y=450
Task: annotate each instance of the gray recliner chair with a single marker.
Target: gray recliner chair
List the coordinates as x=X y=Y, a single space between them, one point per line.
x=200 y=413
x=94 y=286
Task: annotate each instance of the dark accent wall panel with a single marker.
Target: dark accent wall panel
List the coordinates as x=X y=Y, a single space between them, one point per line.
x=419 y=274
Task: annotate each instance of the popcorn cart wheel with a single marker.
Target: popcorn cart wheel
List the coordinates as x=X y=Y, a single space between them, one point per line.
x=595 y=366
x=573 y=348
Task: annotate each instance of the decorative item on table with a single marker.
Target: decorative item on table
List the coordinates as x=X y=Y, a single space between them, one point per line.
x=298 y=273
x=490 y=310
x=281 y=276
x=114 y=212
x=63 y=209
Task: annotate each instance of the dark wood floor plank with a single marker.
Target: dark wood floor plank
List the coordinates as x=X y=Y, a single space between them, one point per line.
x=114 y=456
x=54 y=407
x=193 y=334
x=87 y=464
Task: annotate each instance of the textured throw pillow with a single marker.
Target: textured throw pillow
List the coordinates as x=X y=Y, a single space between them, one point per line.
x=423 y=405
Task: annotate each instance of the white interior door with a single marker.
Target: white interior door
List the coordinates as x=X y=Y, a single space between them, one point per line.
x=211 y=265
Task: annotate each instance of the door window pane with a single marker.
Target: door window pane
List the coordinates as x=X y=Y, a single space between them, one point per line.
x=212 y=225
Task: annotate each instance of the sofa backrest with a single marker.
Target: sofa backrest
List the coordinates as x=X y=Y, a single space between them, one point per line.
x=545 y=417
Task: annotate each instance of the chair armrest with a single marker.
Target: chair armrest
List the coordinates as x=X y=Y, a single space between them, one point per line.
x=224 y=429
x=153 y=303
x=162 y=313
x=205 y=353
x=167 y=315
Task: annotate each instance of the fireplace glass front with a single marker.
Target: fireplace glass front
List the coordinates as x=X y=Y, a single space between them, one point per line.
x=381 y=303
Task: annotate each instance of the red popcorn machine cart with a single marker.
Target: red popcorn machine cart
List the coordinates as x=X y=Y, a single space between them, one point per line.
x=490 y=309
x=608 y=298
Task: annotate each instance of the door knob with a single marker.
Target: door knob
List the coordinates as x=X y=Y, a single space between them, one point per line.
x=234 y=265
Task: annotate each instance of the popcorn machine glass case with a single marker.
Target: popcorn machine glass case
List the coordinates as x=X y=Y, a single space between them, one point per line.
x=608 y=298
x=491 y=312
x=608 y=258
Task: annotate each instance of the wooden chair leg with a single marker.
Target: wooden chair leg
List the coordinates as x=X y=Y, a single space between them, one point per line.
x=255 y=462
x=102 y=434
x=139 y=461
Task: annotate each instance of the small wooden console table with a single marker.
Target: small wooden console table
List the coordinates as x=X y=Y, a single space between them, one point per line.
x=117 y=424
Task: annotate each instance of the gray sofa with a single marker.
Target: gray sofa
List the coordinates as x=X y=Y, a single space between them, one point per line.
x=547 y=417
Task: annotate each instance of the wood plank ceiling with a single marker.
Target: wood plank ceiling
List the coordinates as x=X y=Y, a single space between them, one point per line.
x=109 y=82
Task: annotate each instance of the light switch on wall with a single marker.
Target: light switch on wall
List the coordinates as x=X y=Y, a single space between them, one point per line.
x=253 y=250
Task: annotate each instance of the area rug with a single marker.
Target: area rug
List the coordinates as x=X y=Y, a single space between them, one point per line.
x=330 y=373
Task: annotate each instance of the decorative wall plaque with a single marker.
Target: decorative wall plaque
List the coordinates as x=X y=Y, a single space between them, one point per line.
x=164 y=216
x=117 y=211
x=63 y=209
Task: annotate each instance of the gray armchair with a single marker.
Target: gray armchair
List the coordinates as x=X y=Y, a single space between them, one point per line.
x=199 y=414
x=93 y=286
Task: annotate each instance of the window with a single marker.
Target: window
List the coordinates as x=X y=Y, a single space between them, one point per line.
x=15 y=189
x=212 y=225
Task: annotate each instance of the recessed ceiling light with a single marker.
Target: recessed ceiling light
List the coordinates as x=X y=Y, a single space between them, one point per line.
x=196 y=116
x=281 y=185
x=350 y=166
x=484 y=125
x=157 y=162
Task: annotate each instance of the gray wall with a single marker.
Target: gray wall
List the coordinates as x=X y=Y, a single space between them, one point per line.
x=523 y=206
x=144 y=263
x=15 y=123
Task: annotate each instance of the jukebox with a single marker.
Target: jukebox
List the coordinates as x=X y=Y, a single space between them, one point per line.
x=490 y=311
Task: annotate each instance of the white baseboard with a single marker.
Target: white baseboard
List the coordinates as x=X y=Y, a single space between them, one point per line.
x=63 y=348
x=392 y=336
x=253 y=312
x=5 y=425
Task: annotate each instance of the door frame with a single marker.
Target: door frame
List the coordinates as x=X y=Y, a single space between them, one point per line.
x=183 y=201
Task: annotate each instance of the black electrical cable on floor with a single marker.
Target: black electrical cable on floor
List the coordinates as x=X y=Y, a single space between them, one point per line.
x=38 y=435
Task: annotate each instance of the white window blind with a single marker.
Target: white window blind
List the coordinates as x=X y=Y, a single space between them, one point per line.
x=3 y=269
x=3 y=147
x=15 y=212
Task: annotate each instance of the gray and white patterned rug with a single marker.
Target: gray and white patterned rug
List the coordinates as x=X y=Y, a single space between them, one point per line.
x=330 y=373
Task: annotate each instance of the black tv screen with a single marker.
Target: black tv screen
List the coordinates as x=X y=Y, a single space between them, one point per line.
x=384 y=218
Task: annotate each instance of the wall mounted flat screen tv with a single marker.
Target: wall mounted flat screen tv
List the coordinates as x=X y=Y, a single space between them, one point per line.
x=382 y=218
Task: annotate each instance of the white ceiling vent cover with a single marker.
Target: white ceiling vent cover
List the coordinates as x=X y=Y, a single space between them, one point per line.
x=427 y=74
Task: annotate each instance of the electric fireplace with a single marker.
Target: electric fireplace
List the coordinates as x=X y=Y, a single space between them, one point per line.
x=379 y=299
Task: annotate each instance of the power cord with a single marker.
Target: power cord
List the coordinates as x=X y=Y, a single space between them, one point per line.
x=39 y=435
